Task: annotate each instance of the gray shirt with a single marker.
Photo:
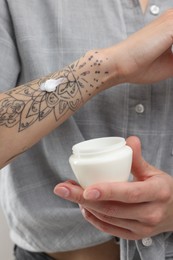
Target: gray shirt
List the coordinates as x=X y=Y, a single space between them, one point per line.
x=38 y=37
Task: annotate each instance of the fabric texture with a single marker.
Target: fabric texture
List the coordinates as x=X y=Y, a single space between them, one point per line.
x=43 y=36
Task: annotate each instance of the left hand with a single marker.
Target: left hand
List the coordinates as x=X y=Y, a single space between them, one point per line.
x=130 y=210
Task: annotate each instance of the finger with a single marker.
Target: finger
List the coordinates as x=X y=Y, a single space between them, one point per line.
x=119 y=210
x=71 y=191
x=153 y=37
x=140 y=168
x=128 y=192
x=108 y=228
x=135 y=212
x=128 y=224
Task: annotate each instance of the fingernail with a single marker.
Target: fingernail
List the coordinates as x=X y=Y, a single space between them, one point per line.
x=83 y=211
x=80 y=206
x=91 y=194
x=62 y=192
x=71 y=182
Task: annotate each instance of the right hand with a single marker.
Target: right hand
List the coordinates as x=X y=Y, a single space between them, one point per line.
x=145 y=56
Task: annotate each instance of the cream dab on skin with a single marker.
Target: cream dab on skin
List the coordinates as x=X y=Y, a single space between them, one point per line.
x=50 y=85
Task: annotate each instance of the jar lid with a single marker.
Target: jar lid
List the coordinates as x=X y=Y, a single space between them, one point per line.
x=98 y=145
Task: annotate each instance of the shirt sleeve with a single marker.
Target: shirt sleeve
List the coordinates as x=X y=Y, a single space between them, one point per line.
x=9 y=58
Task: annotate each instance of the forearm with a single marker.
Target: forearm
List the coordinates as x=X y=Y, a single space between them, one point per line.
x=27 y=113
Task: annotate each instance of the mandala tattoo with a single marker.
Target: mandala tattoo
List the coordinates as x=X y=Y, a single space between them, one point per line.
x=27 y=104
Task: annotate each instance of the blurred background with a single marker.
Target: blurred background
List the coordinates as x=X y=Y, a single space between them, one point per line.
x=6 y=246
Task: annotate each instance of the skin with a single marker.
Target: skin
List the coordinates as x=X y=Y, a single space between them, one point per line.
x=130 y=210
x=27 y=113
x=143 y=4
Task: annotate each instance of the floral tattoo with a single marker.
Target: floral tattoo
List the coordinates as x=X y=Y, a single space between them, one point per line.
x=26 y=104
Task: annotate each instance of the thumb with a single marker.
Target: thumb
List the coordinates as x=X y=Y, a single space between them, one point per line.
x=140 y=168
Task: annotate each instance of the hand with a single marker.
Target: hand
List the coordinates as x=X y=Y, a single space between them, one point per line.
x=145 y=56
x=131 y=210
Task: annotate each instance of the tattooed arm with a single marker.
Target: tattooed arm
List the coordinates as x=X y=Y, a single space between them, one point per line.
x=27 y=113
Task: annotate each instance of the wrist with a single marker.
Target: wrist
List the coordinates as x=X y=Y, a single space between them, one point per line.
x=96 y=71
x=113 y=59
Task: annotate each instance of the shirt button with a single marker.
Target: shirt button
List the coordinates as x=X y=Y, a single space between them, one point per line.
x=154 y=9
x=147 y=241
x=139 y=108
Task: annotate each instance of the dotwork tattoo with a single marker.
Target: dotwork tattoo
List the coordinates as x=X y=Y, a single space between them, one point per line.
x=27 y=104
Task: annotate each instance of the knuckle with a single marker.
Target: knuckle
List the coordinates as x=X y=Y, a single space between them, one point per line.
x=154 y=218
x=165 y=194
x=110 y=193
x=133 y=195
x=79 y=199
x=109 y=210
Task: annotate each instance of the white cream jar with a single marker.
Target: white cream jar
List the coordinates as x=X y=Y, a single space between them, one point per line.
x=106 y=159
